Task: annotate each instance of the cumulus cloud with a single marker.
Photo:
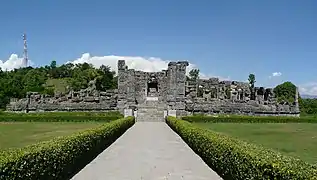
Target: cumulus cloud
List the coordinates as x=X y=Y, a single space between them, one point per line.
x=275 y=74
x=133 y=62
x=13 y=62
x=147 y=64
x=308 y=89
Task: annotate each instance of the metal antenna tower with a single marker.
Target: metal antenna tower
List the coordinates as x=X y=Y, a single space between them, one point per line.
x=25 y=52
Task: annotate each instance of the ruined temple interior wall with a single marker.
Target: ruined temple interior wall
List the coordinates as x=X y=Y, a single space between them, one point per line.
x=180 y=85
x=140 y=86
x=165 y=86
x=122 y=84
x=171 y=83
x=176 y=81
x=162 y=86
x=131 y=87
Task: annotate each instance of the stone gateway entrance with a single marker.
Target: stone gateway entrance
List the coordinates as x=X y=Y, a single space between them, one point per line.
x=152 y=87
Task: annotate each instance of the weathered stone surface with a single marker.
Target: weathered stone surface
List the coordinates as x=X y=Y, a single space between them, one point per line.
x=88 y=99
x=169 y=88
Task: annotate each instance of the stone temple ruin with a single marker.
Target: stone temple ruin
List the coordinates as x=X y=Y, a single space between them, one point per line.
x=157 y=94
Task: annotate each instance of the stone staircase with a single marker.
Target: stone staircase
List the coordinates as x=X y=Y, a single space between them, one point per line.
x=150 y=111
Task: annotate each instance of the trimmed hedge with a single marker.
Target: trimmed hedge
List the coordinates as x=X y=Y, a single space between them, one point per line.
x=235 y=159
x=249 y=119
x=62 y=157
x=79 y=113
x=60 y=117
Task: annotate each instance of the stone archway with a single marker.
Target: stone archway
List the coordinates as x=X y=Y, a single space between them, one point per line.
x=152 y=87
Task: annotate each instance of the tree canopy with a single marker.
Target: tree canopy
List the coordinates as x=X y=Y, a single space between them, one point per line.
x=285 y=92
x=194 y=74
x=251 y=80
x=47 y=79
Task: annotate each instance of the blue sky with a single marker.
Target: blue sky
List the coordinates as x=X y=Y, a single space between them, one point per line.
x=229 y=39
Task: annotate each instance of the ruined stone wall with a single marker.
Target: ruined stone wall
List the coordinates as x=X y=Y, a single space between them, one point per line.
x=206 y=96
x=176 y=83
x=35 y=102
x=122 y=85
x=232 y=97
x=140 y=86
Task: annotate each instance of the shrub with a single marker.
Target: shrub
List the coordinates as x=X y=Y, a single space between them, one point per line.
x=235 y=159
x=249 y=119
x=62 y=157
x=60 y=117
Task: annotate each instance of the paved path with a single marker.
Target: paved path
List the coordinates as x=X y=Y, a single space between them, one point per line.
x=147 y=151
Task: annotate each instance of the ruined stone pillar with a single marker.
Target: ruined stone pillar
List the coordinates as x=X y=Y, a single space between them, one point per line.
x=179 y=88
x=131 y=86
x=171 y=82
x=296 y=100
x=122 y=85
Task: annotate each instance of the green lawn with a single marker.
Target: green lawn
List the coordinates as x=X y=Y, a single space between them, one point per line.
x=293 y=139
x=19 y=134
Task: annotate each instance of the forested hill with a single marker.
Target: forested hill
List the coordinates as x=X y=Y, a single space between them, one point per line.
x=48 y=79
x=52 y=78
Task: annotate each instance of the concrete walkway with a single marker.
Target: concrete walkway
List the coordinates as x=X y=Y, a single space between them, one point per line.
x=147 y=151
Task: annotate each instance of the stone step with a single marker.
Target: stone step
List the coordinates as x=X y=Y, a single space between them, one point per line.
x=151 y=107
x=150 y=111
x=150 y=119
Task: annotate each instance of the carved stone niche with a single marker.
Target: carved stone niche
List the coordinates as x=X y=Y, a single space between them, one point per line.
x=260 y=91
x=267 y=93
x=247 y=96
x=206 y=94
x=234 y=94
x=213 y=92
x=200 y=91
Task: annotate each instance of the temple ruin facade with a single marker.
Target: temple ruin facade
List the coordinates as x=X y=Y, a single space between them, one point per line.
x=168 y=90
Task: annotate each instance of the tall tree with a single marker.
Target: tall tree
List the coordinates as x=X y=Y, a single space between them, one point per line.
x=251 y=80
x=285 y=92
x=194 y=74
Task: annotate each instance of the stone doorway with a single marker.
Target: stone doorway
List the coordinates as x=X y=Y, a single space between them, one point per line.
x=152 y=89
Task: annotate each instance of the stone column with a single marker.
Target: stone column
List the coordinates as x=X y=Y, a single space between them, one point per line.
x=171 y=83
x=122 y=85
x=296 y=100
x=180 y=85
x=131 y=86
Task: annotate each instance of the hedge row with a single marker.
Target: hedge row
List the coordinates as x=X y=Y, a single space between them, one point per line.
x=60 y=117
x=249 y=119
x=62 y=157
x=235 y=159
x=109 y=113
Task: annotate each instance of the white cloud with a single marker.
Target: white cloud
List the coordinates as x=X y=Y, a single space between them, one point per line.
x=13 y=62
x=308 y=88
x=134 y=62
x=147 y=64
x=275 y=74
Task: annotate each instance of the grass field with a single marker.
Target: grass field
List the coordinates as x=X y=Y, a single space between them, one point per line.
x=19 y=134
x=293 y=139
